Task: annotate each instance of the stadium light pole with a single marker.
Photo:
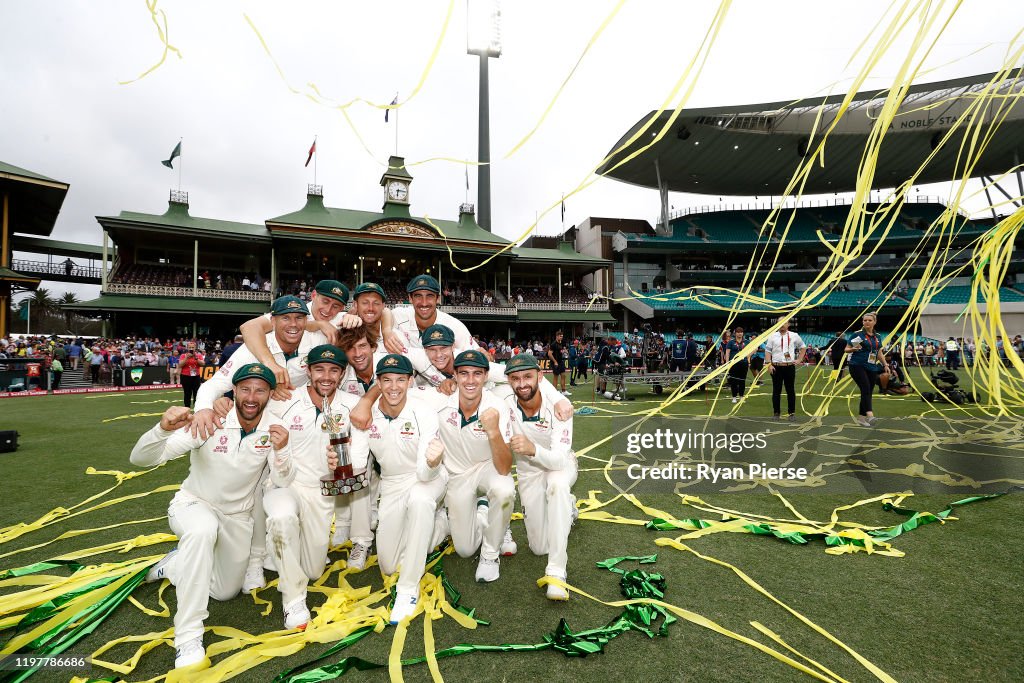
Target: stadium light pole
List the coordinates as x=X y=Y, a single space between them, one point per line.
x=483 y=38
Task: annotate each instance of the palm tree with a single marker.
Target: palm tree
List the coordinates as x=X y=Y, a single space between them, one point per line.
x=68 y=298
x=42 y=305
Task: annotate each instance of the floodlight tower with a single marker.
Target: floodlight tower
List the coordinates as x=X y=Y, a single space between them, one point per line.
x=483 y=38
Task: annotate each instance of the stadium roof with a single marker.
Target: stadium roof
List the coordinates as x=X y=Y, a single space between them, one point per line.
x=36 y=245
x=168 y=304
x=753 y=149
x=565 y=254
x=35 y=200
x=177 y=216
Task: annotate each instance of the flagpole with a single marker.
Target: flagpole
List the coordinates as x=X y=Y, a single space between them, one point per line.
x=396 y=132
x=180 y=164
x=315 y=155
x=563 y=212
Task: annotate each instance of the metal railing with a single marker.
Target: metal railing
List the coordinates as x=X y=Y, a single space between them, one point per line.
x=791 y=203
x=179 y=197
x=315 y=190
x=47 y=268
x=479 y=310
x=202 y=293
x=599 y=305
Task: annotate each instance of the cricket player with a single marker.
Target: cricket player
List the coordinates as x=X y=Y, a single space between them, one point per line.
x=327 y=301
x=212 y=512
x=546 y=465
x=474 y=426
x=410 y=321
x=298 y=515
x=403 y=440
x=289 y=342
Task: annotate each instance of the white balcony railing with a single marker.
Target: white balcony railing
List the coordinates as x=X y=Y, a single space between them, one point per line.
x=202 y=293
x=601 y=305
x=479 y=310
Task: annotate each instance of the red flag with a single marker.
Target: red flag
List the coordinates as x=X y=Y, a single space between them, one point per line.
x=312 y=151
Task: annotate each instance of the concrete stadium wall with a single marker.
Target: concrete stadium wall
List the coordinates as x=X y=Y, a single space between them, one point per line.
x=939 y=321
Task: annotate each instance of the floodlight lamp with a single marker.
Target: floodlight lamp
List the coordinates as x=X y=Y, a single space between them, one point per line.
x=483 y=28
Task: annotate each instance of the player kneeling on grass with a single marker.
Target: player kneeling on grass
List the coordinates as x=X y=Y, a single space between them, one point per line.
x=542 y=445
x=212 y=512
x=474 y=427
x=298 y=514
x=402 y=437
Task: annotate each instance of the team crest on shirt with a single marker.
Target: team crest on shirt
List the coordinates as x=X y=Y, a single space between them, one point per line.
x=407 y=432
x=263 y=442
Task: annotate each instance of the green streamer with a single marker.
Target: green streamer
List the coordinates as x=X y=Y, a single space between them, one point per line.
x=39 y=567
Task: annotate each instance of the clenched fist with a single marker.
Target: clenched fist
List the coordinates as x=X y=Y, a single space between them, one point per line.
x=332 y=458
x=489 y=420
x=175 y=418
x=435 y=449
x=278 y=437
x=521 y=445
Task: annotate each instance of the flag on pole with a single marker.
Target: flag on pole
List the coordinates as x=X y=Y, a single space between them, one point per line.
x=388 y=111
x=563 y=209
x=467 y=176
x=174 y=155
x=312 y=151
x=23 y=313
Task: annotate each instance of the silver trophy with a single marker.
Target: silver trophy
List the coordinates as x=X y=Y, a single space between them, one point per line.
x=345 y=479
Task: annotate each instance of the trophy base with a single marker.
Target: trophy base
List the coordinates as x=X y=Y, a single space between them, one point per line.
x=348 y=483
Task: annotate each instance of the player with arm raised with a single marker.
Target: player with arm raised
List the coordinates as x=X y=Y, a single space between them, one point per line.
x=212 y=513
x=546 y=464
x=298 y=514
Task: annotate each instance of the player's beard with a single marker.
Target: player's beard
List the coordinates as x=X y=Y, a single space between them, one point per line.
x=527 y=398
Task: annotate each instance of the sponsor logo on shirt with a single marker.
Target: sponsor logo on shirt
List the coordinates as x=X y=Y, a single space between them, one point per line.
x=296 y=424
x=453 y=418
x=565 y=437
x=374 y=432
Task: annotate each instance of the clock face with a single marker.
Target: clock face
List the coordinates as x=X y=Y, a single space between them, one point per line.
x=397 y=190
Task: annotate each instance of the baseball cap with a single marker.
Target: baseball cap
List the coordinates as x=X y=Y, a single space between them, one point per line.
x=473 y=359
x=257 y=370
x=427 y=282
x=327 y=353
x=369 y=287
x=288 y=304
x=333 y=289
x=437 y=335
x=395 y=364
x=521 y=361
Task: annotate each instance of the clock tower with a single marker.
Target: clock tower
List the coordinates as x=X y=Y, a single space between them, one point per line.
x=396 y=181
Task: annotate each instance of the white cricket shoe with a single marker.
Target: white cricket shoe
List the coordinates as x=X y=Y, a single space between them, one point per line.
x=296 y=615
x=357 y=556
x=508 y=544
x=190 y=654
x=556 y=592
x=405 y=605
x=254 y=579
x=158 y=571
x=487 y=570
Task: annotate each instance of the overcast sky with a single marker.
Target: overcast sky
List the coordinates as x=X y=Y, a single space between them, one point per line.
x=65 y=115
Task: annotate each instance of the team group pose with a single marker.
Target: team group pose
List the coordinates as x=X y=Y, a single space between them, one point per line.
x=403 y=398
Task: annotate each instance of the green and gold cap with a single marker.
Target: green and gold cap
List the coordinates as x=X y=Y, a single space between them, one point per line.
x=394 y=364
x=521 y=361
x=472 y=359
x=370 y=287
x=437 y=335
x=332 y=289
x=427 y=282
x=327 y=353
x=257 y=370
x=288 y=304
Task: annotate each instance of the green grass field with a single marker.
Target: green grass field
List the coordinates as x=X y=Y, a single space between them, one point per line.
x=947 y=611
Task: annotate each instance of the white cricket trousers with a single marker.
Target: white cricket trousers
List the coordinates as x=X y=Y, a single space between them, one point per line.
x=547 y=513
x=463 y=489
x=298 y=535
x=407 y=530
x=345 y=512
x=213 y=549
x=259 y=532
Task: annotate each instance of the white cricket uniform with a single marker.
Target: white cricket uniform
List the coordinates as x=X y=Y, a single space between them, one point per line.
x=405 y=322
x=410 y=490
x=471 y=473
x=220 y=384
x=212 y=513
x=545 y=482
x=350 y=382
x=298 y=515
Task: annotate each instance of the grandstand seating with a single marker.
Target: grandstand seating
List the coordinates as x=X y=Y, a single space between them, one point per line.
x=161 y=275
x=540 y=295
x=962 y=295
